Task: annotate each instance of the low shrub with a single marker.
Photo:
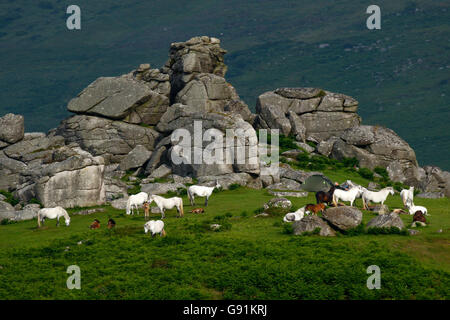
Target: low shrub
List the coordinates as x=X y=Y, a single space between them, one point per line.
x=366 y=173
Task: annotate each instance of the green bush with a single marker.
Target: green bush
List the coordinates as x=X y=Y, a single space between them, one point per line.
x=234 y=186
x=366 y=173
x=288 y=228
x=350 y=162
x=382 y=172
x=9 y=198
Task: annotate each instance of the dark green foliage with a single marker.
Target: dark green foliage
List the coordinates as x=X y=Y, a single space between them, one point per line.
x=382 y=172
x=287 y=228
x=234 y=186
x=315 y=232
x=9 y=198
x=366 y=173
x=350 y=162
x=391 y=230
x=36 y=201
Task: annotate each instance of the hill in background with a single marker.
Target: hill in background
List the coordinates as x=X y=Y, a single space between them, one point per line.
x=399 y=74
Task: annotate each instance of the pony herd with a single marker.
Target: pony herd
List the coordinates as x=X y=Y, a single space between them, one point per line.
x=336 y=194
x=133 y=204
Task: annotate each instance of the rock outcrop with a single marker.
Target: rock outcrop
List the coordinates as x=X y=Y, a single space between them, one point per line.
x=386 y=221
x=112 y=140
x=343 y=218
x=306 y=113
x=375 y=146
x=311 y=224
x=11 y=129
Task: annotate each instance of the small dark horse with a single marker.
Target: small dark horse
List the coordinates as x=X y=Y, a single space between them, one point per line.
x=325 y=197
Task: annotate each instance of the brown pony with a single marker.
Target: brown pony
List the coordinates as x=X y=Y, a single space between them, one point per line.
x=111 y=223
x=198 y=210
x=95 y=224
x=419 y=216
x=325 y=197
x=315 y=207
x=146 y=210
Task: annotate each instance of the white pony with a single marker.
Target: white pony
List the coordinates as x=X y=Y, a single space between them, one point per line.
x=347 y=195
x=413 y=209
x=164 y=203
x=155 y=227
x=294 y=216
x=376 y=196
x=407 y=197
x=53 y=213
x=201 y=191
x=136 y=200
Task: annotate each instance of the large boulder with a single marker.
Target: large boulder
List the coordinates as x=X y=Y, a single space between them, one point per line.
x=11 y=129
x=280 y=203
x=136 y=158
x=77 y=181
x=386 y=221
x=121 y=98
x=376 y=146
x=113 y=140
x=343 y=218
x=226 y=180
x=307 y=113
x=161 y=188
x=10 y=172
x=310 y=224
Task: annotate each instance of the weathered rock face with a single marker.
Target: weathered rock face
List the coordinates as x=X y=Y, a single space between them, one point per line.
x=135 y=158
x=307 y=113
x=379 y=147
x=75 y=181
x=343 y=218
x=11 y=129
x=121 y=98
x=310 y=224
x=158 y=80
x=435 y=180
x=386 y=221
x=112 y=140
x=217 y=150
x=197 y=55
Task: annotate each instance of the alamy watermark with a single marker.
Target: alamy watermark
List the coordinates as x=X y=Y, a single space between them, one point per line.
x=74 y=280
x=374 y=281
x=73 y=22
x=374 y=20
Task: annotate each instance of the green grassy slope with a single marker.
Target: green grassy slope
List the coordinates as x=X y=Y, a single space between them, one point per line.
x=255 y=259
x=399 y=74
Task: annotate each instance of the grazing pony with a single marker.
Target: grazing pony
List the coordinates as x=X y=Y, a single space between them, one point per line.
x=53 y=213
x=407 y=197
x=376 y=197
x=419 y=218
x=315 y=208
x=164 y=203
x=201 y=191
x=413 y=209
x=136 y=200
x=155 y=227
x=326 y=197
x=294 y=216
x=198 y=210
x=349 y=195
x=111 y=223
x=95 y=224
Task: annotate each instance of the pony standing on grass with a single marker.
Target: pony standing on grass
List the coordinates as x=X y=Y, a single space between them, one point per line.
x=164 y=203
x=53 y=213
x=376 y=197
x=407 y=197
x=344 y=195
x=201 y=191
x=136 y=200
